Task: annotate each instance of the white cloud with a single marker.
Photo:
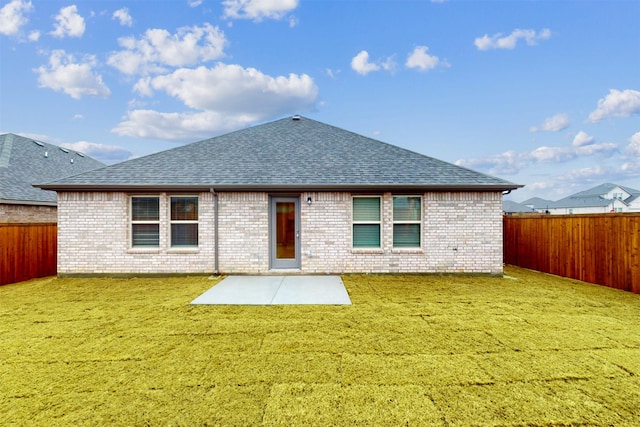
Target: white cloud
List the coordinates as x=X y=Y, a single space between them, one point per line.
x=421 y=60
x=69 y=23
x=194 y=3
x=104 y=153
x=634 y=145
x=511 y=162
x=158 y=48
x=498 y=41
x=76 y=79
x=361 y=65
x=581 y=139
x=180 y=126
x=234 y=89
x=123 y=16
x=552 y=124
x=223 y=98
x=257 y=10
x=12 y=16
x=617 y=103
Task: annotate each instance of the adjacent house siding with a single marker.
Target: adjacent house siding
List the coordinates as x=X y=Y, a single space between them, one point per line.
x=27 y=213
x=461 y=233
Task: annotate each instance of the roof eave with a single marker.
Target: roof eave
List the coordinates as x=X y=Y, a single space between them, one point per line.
x=279 y=188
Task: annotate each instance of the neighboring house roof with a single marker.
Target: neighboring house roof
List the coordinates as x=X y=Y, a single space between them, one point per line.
x=510 y=206
x=581 y=202
x=598 y=196
x=25 y=161
x=290 y=153
x=537 y=203
x=603 y=189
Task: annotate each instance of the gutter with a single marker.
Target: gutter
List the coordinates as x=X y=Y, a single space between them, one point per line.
x=280 y=188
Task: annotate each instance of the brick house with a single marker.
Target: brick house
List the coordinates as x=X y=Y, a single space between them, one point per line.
x=294 y=196
x=26 y=161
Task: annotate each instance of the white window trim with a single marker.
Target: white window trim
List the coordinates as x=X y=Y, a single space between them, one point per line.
x=419 y=222
x=132 y=222
x=185 y=248
x=379 y=223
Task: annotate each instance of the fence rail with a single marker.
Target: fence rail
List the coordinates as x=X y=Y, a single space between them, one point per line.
x=602 y=249
x=27 y=251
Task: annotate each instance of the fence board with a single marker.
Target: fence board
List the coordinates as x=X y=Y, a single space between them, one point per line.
x=27 y=251
x=602 y=249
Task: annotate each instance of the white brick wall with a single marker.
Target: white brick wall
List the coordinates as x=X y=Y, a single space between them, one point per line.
x=461 y=233
x=27 y=213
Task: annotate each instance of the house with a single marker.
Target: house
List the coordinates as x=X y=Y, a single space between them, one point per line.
x=510 y=207
x=603 y=198
x=289 y=196
x=26 y=161
x=538 y=204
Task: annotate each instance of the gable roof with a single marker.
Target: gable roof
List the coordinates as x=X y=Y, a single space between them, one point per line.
x=291 y=153
x=510 y=206
x=593 y=197
x=603 y=189
x=538 y=203
x=25 y=161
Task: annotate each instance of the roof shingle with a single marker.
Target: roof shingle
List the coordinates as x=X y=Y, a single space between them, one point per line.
x=288 y=153
x=24 y=162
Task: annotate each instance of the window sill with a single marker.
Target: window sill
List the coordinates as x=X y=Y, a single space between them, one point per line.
x=143 y=250
x=407 y=251
x=367 y=250
x=186 y=250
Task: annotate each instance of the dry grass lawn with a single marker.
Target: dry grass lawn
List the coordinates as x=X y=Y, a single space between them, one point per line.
x=528 y=349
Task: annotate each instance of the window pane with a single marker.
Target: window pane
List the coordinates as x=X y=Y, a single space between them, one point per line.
x=184 y=234
x=366 y=235
x=145 y=209
x=184 y=209
x=366 y=209
x=406 y=235
x=145 y=234
x=406 y=208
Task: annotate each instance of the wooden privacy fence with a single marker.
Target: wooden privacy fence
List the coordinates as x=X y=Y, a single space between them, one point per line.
x=602 y=249
x=27 y=251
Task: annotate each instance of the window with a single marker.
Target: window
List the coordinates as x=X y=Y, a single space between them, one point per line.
x=366 y=222
x=406 y=221
x=184 y=221
x=145 y=221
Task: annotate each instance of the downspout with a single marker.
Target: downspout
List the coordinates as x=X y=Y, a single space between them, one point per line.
x=215 y=229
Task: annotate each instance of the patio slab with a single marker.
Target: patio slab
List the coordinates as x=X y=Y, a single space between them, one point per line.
x=271 y=290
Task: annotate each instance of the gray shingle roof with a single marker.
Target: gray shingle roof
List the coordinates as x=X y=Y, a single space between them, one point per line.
x=24 y=162
x=290 y=153
x=510 y=206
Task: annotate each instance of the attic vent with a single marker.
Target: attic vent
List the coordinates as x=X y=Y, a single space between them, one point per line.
x=38 y=143
x=296 y=118
x=80 y=154
x=64 y=150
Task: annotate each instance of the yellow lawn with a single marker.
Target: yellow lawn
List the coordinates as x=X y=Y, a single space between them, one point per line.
x=526 y=349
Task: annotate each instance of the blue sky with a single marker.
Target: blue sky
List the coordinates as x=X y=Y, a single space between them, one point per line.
x=541 y=93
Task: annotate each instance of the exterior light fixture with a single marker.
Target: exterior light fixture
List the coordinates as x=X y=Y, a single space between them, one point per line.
x=309 y=200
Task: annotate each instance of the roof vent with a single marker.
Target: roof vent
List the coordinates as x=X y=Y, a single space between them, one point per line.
x=296 y=118
x=80 y=154
x=64 y=150
x=38 y=143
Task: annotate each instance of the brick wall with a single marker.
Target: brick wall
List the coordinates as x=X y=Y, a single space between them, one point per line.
x=461 y=233
x=27 y=213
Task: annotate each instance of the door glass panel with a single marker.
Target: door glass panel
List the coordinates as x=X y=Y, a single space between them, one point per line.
x=285 y=230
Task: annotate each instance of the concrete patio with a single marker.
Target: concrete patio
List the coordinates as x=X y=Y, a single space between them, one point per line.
x=272 y=290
